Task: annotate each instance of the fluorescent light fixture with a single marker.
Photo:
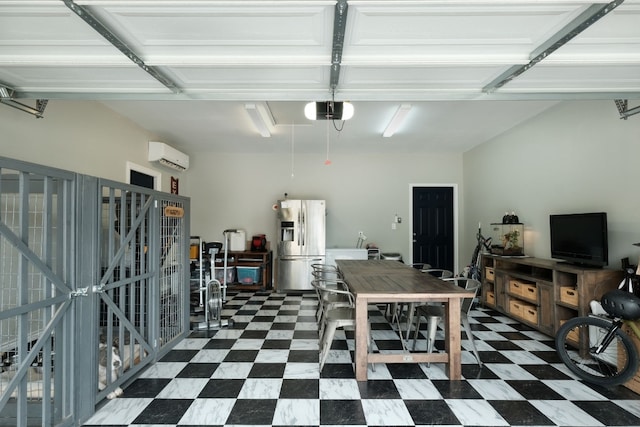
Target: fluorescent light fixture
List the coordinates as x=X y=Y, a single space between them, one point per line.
x=328 y=110
x=397 y=120
x=261 y=117
x=5 y=92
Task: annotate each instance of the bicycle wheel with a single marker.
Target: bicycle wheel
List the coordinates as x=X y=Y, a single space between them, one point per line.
x=616 y=364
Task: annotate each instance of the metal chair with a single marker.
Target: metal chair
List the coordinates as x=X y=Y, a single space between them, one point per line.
x=434 y=313
x=421 y=265
x=332 y=294
x=325 y=271
x=334 y=317
x=437 y=272
x=332 y=278
x=393 y=310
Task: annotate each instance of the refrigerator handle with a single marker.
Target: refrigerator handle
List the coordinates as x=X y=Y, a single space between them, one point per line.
x=299 y=223
x=303 y=228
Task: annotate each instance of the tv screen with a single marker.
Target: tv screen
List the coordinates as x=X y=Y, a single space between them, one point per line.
x=580 y=238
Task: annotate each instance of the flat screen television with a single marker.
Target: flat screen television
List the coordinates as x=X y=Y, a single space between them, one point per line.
x=580 y=238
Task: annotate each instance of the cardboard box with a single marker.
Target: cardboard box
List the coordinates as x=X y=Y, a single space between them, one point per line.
x=489 y=274
x=515 y=287
x=569 y=295
x=634 y=383
x=530 y=313
x=491 y=298
x=530 y=292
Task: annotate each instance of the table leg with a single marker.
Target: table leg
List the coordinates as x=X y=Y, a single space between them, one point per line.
x=362 y=339
x=410 y=309
x=452 y=338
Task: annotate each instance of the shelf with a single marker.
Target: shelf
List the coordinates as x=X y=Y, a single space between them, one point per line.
x=197 y=279
x=527 y=300
x=264 y=260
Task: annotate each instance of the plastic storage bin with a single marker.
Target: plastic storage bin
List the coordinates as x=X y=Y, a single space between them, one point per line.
x=219 y=274
x=248 y=275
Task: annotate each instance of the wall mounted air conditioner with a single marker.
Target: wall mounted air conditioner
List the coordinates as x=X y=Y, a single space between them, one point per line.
x=168 y=156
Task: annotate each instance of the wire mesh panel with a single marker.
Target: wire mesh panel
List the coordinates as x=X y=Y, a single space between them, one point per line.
x=143 y=282
x=125 y=303
x=36 y=278
x=173 y=269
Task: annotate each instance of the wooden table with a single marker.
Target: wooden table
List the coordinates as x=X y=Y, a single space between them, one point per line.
x=386 y=281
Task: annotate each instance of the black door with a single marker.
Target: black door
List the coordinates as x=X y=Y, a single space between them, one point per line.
x=433 y=240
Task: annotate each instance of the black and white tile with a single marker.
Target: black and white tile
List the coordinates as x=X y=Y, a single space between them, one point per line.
x=264 y=371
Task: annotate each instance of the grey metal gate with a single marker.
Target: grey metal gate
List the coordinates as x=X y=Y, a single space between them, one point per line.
x=36 y=294
x=93 y=286
x=143 y=241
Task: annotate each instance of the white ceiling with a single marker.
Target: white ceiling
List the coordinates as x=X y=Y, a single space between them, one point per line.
x=213 y=56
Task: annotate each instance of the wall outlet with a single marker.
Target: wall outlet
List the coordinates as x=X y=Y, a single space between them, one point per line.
x=393 y=226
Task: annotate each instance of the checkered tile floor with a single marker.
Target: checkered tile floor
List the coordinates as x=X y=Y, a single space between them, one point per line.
x=264 y=371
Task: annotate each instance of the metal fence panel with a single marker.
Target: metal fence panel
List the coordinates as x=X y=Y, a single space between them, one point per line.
x=36 y=277
x=174 y=272
x=93 y=285
x=143 y=242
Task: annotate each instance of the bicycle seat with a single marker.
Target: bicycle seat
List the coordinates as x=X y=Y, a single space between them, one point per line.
x=621 y=304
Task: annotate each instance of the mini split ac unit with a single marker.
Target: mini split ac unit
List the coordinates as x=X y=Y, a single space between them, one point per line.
x=168 y=156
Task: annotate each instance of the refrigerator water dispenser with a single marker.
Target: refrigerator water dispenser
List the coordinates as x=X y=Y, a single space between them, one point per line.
x=286 y=231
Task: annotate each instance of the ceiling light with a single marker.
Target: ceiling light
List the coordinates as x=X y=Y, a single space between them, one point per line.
x=5 y=92
x=328 y=110
x=397 y=120
x=261 y=117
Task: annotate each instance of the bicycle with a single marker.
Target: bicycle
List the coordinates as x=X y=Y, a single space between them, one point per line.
x=473 y=270
x=595 y=347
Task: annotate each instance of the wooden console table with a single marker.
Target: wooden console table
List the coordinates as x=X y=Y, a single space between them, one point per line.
x=543 y=293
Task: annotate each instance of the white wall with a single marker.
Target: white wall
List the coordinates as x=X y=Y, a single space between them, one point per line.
x=363 y=192
x=83 y=137
x=576 y=157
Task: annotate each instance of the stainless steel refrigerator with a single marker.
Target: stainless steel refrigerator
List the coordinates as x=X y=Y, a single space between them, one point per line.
x=301 y=242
